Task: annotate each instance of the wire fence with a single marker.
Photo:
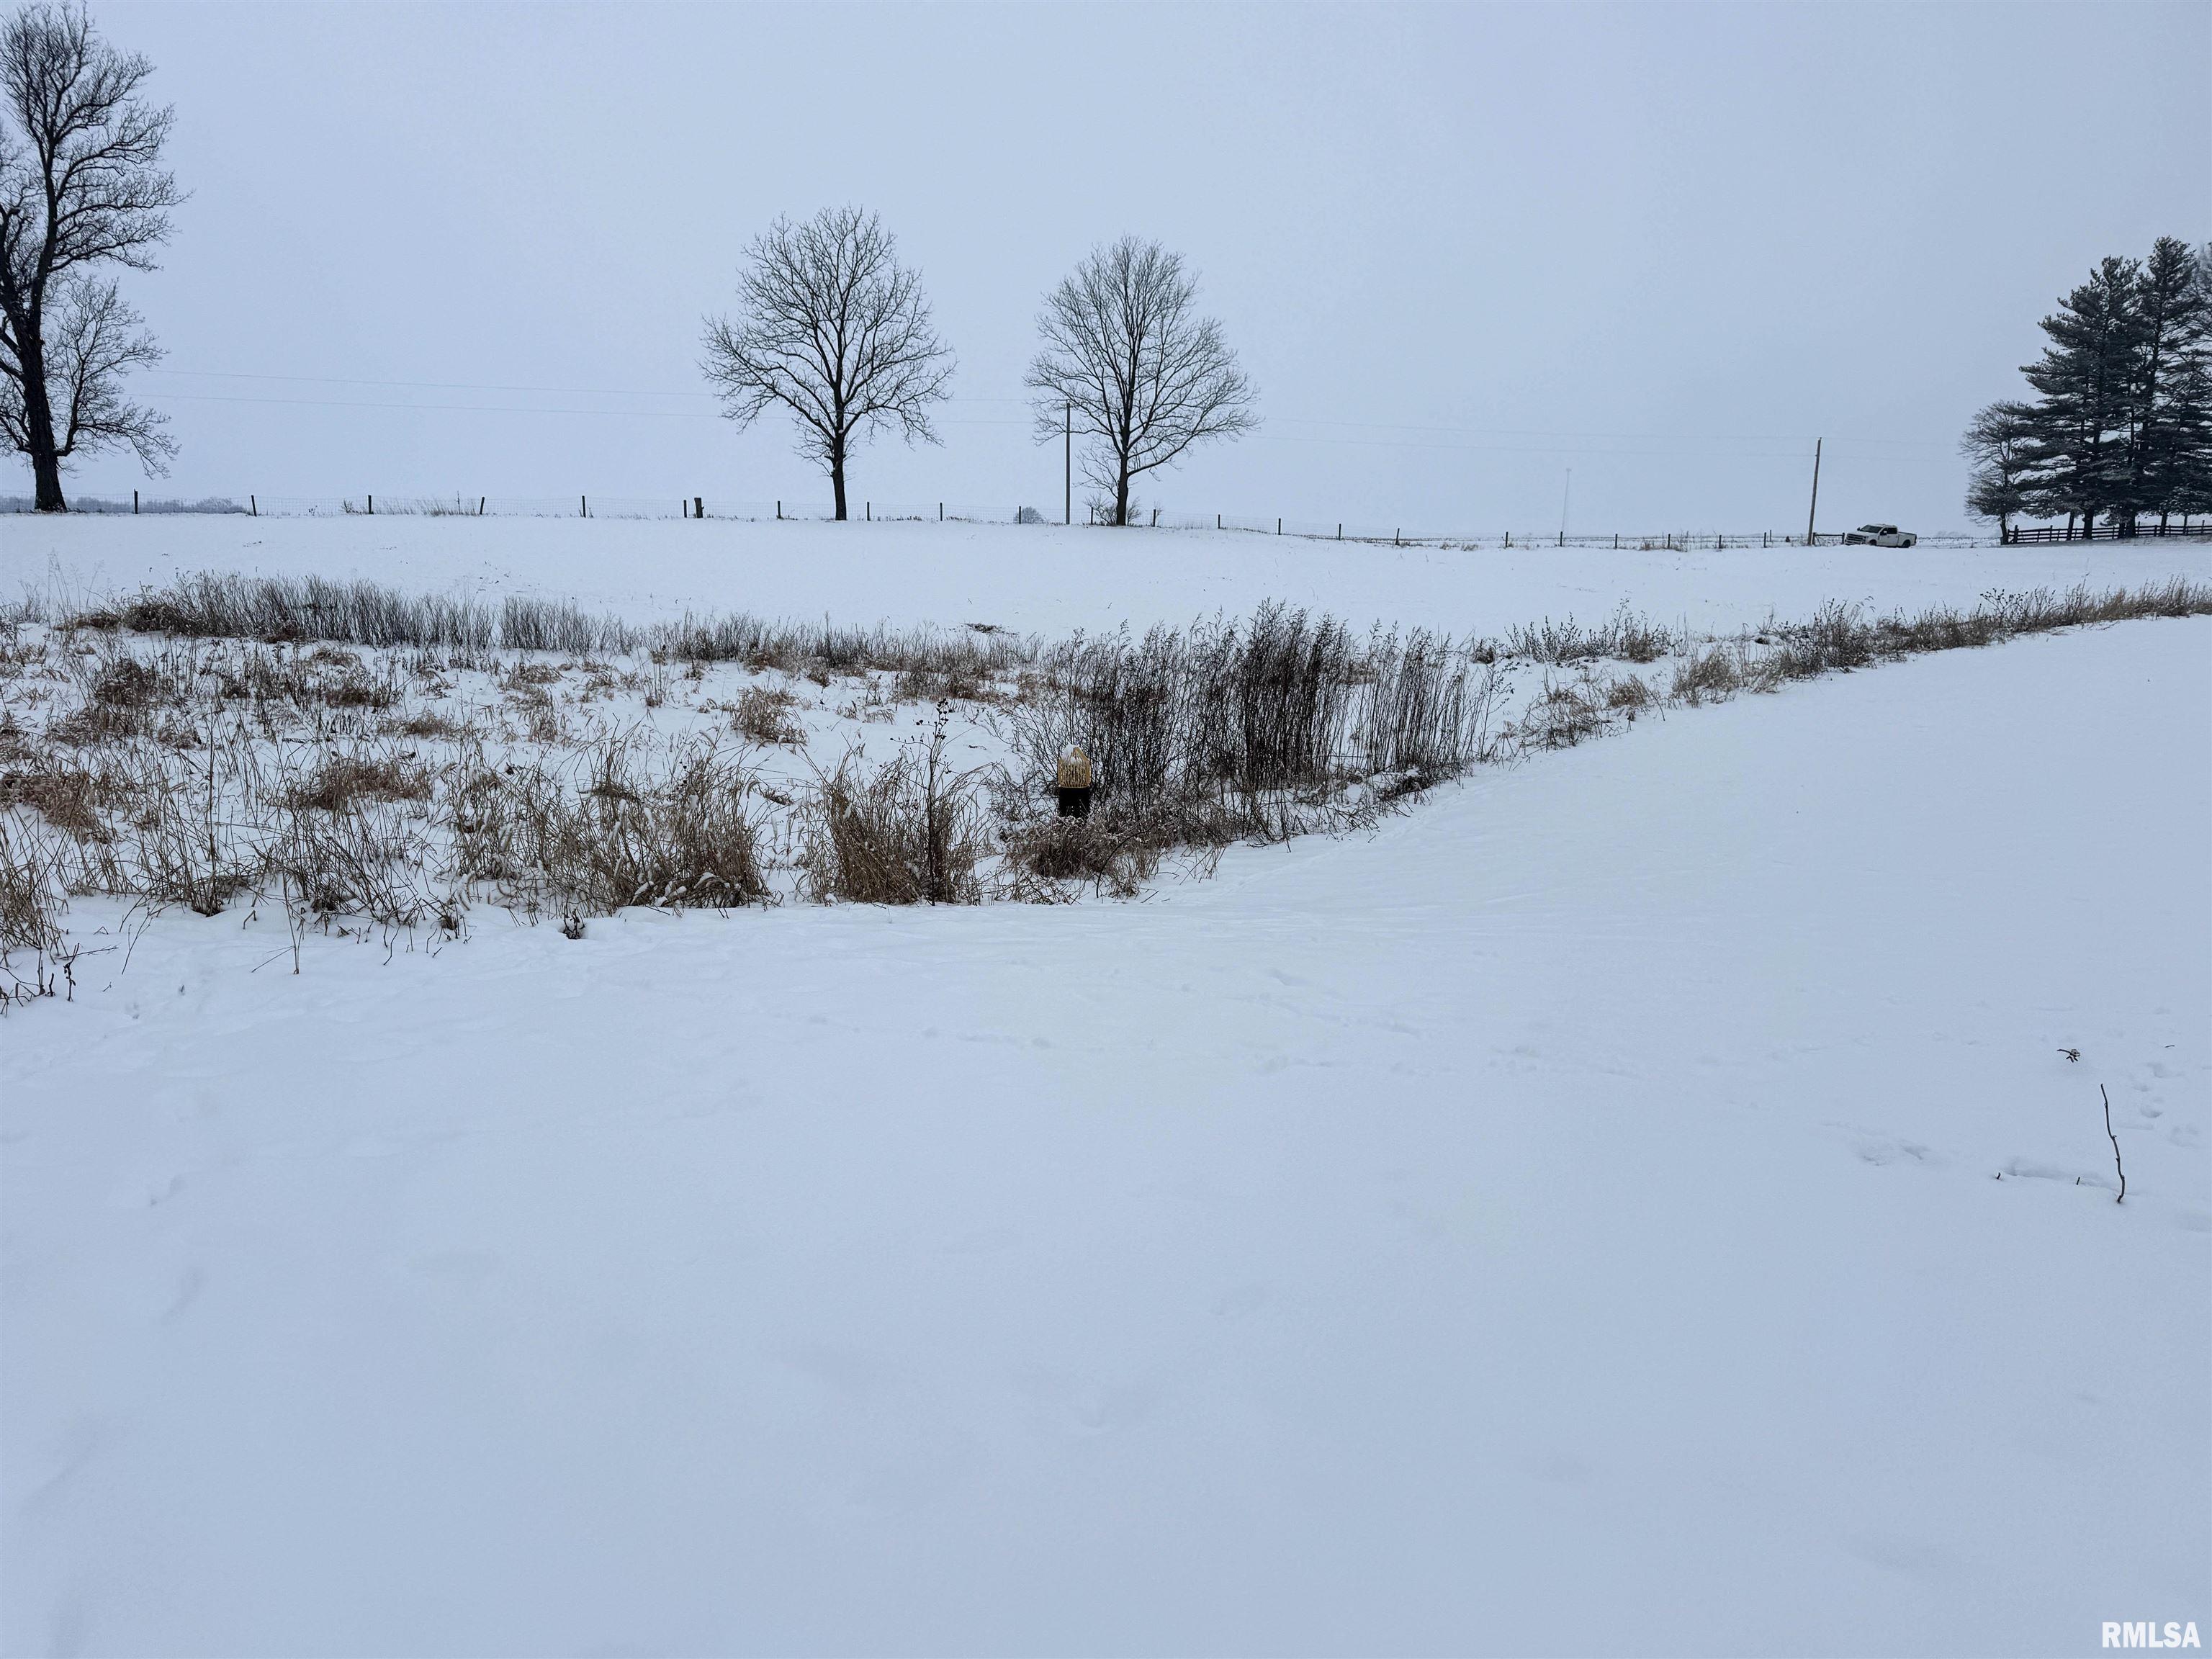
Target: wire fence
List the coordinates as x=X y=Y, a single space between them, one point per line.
x=368 y=505
x=869 y=510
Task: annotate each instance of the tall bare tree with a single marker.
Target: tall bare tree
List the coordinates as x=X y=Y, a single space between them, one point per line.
x=1140 y=372
x=833 y=328
x=81 y=186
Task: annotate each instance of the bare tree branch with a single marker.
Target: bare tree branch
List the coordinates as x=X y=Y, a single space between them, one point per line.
x=831 y=327
x=81 y=185
x=1144 y=376
x=92 y=342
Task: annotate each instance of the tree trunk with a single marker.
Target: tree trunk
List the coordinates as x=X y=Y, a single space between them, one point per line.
x=837 y=479
x=1122 y=496
x=39 y=427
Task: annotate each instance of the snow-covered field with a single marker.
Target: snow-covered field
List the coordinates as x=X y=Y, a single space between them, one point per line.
x=1634 y=1203
x=1042 y=577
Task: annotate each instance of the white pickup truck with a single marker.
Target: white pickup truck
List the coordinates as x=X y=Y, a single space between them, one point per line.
x=1880 y=535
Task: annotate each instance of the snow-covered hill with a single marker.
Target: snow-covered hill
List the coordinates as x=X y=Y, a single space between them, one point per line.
x=1635 y=1203
x=1044 y=578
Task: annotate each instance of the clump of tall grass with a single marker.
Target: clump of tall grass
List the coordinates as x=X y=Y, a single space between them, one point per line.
x=975 y=655
x=282 y=609
x=1229 y=713
x=33 y=946
x=1114 y=858
x=910 y=831
x=606 y=829
x=528 y=624
x=1625 y=634
x=273 y=608
x=762 y=715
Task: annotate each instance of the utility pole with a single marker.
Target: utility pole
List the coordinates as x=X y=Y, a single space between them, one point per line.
x=1566 y=496
x=1067 y=463
x=1815 y=507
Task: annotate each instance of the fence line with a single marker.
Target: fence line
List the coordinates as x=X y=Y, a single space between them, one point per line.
x=700 y=506
x=2023 y=534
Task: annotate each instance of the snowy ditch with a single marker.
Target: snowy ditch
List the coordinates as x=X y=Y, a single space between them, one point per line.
x=357 y=759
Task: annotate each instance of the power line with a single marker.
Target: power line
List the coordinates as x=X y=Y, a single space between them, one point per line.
x=1600 y=444
x=422 y=385
x=623 y=392
x=439 y=409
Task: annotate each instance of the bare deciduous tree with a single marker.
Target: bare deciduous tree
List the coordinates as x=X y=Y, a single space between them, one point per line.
x=1142 y=375
x=1999 y=447
x=81 y=186
x=831 y=327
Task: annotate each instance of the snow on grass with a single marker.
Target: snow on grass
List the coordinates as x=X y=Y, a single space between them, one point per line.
x=1044 y=578
x=1636 y=1202
x=1568 y=1220
x=449 y=766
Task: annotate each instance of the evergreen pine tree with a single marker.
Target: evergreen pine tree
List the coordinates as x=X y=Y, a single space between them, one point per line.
x=2171 y=459
x=2086 y=375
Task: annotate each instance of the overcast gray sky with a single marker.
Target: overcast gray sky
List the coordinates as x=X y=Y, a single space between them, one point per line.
x=1461 y=249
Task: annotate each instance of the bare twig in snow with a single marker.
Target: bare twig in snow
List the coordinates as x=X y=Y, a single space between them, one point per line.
x=2115 y=1139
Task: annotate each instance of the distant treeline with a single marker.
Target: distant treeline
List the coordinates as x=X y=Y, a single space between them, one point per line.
x=2121 y=424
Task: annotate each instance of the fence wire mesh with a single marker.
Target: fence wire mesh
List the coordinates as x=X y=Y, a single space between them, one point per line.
x=866 y=511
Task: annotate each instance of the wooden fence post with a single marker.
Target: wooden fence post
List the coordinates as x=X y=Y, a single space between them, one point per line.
x=253 y=506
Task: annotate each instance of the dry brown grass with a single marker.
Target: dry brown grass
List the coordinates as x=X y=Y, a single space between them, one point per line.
x=1706 y=676
x=339 y=782
x=1114 y=860
x=65 y=794
x=429 y=723
x=35 y=955
x=342 y=780
x=762 y=715
x=612 y=830
x=1564 y=715
x=912 y=831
